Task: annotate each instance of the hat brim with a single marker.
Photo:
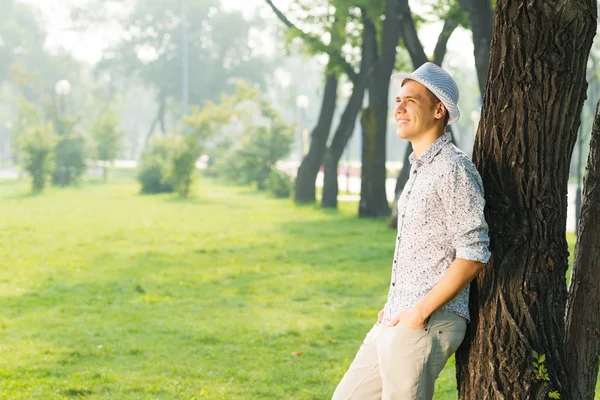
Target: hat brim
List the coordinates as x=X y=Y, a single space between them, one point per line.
x=453 y=112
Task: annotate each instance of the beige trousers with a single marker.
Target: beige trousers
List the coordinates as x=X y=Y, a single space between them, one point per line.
x=400 y=363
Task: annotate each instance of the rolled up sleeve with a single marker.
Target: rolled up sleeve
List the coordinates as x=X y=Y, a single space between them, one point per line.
x=462 y=197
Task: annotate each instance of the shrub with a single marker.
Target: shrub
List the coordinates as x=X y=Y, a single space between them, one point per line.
x=70 y=160
x=36 y=145
x=153 y=173
x=169 y=165
x=260 y=149
x=185 y=153
x=280 y=184
x=107 y=138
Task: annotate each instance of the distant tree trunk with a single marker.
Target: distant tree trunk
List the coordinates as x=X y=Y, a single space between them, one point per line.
x=418 y=58
x=309 y=168
x=105 y=172
x=162 y=110
x=348 y=120
x=481 y=18
x=450 y=25
x=157 y=119
x=523 y=149
x=373 y=199
x=583 y=315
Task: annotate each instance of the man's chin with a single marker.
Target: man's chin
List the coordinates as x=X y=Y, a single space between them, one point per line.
x=400 y=134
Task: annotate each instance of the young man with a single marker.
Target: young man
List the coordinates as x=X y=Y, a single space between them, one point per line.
x=441 y=246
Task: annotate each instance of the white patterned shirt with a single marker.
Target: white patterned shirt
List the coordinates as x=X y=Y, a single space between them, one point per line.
x=440 y=218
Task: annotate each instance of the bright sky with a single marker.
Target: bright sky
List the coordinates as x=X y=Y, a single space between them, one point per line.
x=88 y=46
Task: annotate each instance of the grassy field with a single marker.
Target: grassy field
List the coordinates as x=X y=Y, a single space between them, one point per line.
x=107 y=294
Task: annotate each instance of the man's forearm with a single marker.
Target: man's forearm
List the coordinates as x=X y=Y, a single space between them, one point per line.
x=456 y=278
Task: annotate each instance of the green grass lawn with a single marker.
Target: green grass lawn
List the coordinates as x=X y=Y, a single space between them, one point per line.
x=107 y=294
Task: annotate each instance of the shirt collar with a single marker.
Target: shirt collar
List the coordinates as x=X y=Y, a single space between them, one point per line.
x=432 y=151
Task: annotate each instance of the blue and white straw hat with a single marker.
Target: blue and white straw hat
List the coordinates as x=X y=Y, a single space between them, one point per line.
x=439 y=82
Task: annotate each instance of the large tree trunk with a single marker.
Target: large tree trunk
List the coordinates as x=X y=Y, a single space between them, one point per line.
x=583 y=314
x=348 y=120
x=481 y=18
x=373 y=199
x=309 y=168
x=523 y=149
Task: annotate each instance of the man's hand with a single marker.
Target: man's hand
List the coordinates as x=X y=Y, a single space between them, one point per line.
x=380 y=316
x=410 y=319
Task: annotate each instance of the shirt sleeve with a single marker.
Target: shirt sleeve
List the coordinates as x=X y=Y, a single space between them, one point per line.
x=461 y=193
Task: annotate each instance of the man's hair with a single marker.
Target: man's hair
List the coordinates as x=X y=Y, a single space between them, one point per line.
x=436 y=100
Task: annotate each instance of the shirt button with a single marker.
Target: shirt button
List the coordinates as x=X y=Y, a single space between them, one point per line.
x=393 y=284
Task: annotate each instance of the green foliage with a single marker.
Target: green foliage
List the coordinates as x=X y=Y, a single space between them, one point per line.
x=539 y=369
x=204 y=123
x=219 y=47
x=280 y=184
x=262 y=143
x=185 y=153
x=70 y=159
x=28 y=116
x=260 y=150
x=106 y=135
x=36 y=144
x=554 y=395
x=154 y=166
x=168 y=164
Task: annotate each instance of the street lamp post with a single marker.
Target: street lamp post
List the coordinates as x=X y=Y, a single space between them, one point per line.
x=185 y=57
x=302 y=104
x=62 y=89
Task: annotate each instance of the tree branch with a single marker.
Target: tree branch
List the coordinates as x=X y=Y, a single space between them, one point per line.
x=450 y=24
x=316 y=43
x=409 y=35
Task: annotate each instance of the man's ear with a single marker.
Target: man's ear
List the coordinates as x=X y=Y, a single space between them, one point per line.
x=440 y=111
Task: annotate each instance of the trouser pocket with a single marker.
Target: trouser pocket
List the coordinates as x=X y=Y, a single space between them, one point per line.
x=447 y=338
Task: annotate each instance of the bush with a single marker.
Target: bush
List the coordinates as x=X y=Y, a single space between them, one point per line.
x=185 y=153
x=153 y=172
x=280 y=184
x=169 y=164
x=259 y=150
x=70 y=160
x=36 y=145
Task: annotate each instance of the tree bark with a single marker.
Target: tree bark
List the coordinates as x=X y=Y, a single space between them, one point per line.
x=523 y=149
x=348 y=120
x=309 y=168
x=481 y=18
x=583 y=317
x=373 y=199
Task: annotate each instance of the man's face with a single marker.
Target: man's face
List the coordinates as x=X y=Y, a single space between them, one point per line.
x=417 y=110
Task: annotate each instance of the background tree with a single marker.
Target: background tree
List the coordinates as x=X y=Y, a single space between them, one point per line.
x=152 y=51
x=523 y=148
x=335 y=26
x=481 y=20
x=36 y=145
x=107 y=138
x=582 y=317
x=373 y=199
x=347 y=122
